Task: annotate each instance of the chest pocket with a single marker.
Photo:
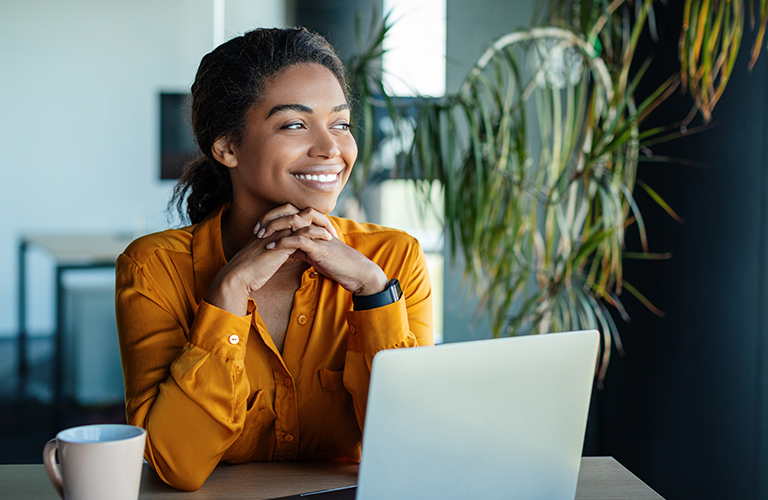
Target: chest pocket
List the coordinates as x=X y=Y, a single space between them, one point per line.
x=340 y=431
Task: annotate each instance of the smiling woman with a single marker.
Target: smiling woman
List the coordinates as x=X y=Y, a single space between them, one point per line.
x=296 y=134
x=249 y=335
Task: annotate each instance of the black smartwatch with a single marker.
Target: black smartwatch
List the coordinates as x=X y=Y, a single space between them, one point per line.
x=390 y=295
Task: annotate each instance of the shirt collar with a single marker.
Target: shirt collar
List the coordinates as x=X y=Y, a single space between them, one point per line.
x=207 y=252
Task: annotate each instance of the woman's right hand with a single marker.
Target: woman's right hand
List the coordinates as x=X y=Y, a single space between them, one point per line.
x=251 y=268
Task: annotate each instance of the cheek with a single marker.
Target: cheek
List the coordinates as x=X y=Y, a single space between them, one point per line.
x=349 y=150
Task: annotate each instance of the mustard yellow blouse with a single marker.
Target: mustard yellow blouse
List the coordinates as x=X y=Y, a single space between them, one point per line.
x=210 y=386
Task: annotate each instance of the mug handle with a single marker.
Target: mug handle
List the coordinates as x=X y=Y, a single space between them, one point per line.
x=51 y=468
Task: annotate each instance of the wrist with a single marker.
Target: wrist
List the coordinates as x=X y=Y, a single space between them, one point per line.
x=228 y=294
x=391 y=294
x=376 y=284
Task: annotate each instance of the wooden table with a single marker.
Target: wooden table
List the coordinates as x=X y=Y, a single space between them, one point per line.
x=599 y=478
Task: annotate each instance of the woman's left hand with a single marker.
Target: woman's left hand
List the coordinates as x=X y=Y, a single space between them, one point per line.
x=332 y=258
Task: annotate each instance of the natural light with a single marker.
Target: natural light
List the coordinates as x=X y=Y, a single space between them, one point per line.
x=414 y=61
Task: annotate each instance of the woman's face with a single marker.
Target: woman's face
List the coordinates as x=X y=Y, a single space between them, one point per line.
x=297 y=147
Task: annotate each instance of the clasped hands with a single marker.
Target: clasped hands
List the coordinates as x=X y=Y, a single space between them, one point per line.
x=284 y=234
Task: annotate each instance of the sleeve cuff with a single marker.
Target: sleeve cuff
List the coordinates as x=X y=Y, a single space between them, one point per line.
x=220 y=332
x=379 y=328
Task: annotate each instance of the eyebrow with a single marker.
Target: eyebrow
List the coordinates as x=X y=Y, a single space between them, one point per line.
x=302 y=108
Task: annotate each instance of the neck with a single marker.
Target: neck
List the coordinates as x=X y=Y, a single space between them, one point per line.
x=237 y=229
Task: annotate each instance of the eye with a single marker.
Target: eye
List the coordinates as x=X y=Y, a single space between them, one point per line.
x=293 y=126
x=341 y=126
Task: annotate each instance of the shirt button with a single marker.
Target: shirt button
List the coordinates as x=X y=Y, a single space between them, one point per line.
x=302 y=320
x=352 y=329
x=288 y=382
x=313 y=275
x=289 y=437
x=234 y=339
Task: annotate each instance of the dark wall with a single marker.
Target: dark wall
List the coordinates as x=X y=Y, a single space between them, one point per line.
x=684 y=407
x=335 y=20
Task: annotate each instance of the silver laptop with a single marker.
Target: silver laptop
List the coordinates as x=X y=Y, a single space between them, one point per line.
x=490 y=419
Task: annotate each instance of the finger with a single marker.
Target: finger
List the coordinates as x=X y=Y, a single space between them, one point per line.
x=273 y=214
x=314 y=232
x=319 y=219
x=292 y=243
x=296 y=221
x=300 y=255
x=309 y=233
x=288 y=222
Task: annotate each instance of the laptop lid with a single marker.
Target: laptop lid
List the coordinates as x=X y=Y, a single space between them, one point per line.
x=501 y=418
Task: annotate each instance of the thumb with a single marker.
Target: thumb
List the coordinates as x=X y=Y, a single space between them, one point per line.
x=301 y=255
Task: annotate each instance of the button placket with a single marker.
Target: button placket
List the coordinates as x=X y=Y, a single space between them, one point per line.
x=286 y=413
x=287 y=432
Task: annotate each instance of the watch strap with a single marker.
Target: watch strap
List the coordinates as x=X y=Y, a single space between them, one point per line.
x=390 y=295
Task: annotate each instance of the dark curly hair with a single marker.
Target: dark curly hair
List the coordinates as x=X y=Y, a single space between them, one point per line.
x=230 y=80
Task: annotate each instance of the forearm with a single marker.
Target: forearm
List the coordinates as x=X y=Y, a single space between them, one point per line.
x=184 y=441
x=193 y=405
x=371 y=331
x=405 y=323
x=186 y=438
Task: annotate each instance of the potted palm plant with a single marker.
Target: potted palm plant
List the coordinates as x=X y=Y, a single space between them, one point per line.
x=537 y=154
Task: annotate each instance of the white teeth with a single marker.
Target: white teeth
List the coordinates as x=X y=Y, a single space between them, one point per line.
x=319 y=178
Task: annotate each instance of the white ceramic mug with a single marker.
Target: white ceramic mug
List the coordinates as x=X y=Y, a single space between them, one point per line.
x=97 y=462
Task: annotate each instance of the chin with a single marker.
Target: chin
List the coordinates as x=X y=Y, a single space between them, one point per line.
x=322 y=207
x=326 y=209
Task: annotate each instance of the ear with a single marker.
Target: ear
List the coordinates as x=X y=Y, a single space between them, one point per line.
x=223 y=152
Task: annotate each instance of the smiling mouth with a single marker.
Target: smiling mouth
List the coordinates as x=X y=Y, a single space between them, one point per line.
x=317 y=177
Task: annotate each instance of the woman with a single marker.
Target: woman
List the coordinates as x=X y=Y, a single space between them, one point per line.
x=249 y=335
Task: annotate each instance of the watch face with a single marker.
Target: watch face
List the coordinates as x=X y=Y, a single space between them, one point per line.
x=397 y=292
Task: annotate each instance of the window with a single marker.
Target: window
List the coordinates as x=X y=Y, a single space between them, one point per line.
x=414 y=57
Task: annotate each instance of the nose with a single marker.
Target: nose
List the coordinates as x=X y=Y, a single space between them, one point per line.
x=324 y=145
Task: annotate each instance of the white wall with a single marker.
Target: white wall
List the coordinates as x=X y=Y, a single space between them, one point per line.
x=79 y=83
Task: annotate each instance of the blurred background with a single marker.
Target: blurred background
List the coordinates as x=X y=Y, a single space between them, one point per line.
x=683 y=406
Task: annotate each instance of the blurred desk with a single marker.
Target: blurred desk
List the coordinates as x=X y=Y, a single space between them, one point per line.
x=599 y=478
x=69 y=252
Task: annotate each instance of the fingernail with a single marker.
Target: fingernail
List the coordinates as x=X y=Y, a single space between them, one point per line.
x=256 y=229
x=260 y=234
x=270 y=245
